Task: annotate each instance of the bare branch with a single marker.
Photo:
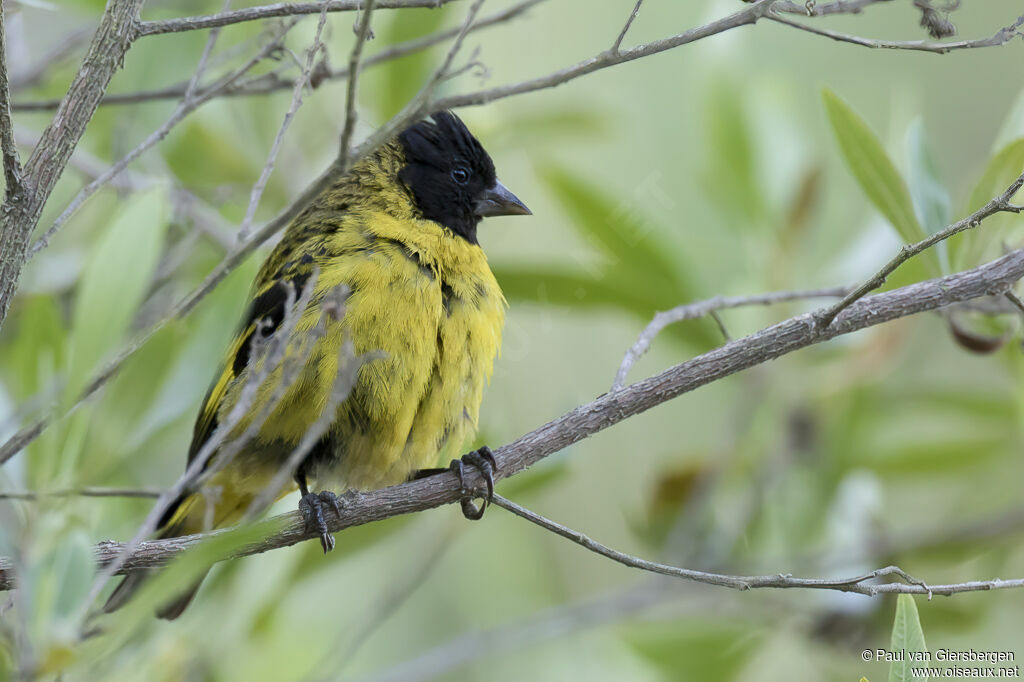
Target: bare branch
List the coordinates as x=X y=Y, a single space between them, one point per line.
x=625 y=29
x=1001 y=37
x=416 y=108
x=857 y=584
x=12 y=164
x=823 y=9
x=81 y=492
x=282 y=9
x=267 y=356
x=999 y=204
x=300 y=85
x=353 y=83
x=267 y=83
x=693 y=311
x=745 y=17
x=611 y=408
x=20 y=213
x=190 y=103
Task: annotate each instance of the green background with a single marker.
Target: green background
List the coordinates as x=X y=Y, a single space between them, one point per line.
x=712 y=169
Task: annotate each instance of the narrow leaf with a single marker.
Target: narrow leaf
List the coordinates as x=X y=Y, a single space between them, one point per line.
x=875 y=172
x=907 y=637
x=115 y=281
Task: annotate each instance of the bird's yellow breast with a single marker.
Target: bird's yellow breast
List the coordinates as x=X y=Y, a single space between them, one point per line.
x=426 y=302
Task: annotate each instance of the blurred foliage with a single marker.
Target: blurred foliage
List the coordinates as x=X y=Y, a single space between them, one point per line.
x=706 y=171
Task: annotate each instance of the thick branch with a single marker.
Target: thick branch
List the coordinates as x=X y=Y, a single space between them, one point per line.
x=799 y=332
x=12 y=164
x=21 y=211
x=281 y=9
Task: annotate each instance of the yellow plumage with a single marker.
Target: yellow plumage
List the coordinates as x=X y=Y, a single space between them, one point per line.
x=420 y=295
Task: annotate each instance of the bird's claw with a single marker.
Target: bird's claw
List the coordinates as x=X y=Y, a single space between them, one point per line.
x=482 y=459
x=312 y=506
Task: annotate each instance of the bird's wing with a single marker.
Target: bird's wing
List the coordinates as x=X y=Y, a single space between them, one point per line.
x=264 y=314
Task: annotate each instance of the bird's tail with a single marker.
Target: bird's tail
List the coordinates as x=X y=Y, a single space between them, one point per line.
x=177 y=521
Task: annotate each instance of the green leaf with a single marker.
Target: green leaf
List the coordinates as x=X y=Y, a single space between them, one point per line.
x=731 y=176
x=907 y=636
x=968 y=248
x=875 y=173
x=620 y=229
x=930 y=197
x=550 y=286
x=114 y=282
x=707 y=649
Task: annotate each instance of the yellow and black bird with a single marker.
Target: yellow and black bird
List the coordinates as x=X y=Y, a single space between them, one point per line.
x=399 y=231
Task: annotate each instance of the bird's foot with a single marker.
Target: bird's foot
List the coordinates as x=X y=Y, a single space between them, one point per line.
x=482 y=459
x=312 y=506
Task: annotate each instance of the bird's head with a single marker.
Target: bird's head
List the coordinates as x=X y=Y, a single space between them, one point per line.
x=450 y=176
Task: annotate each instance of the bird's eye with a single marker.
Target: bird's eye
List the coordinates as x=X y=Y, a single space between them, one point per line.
x=460 y=174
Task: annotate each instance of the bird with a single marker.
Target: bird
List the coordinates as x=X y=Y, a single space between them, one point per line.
x=397 y=236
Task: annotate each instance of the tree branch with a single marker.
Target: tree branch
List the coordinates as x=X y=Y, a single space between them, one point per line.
x=693 y=311
x=353 y=82
x=1000 y=204
x=300 y=85
x=189 y=103
x=12 y=164
x=20 y=212
x=856 y=584
x=1001 y=37
x=268 y=83
x=359 y=508
x=281 y=9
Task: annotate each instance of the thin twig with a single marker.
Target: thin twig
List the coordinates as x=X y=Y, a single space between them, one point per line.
x=283 y=9
x=693 y=311
x=211 y=40
x=625 y=29
x=80 y=492
x=12 y=163
x=1001 y=37
x=300 y=85
x=353 y=83
x=1015 y=300
x=186 y=107
x=415 y=109
x=857 y=584
x=19 y=218
x=744 y=17
x=609 y=409
x=268 y=83
x=999 y=204
x=822 y=9
x=266 y=358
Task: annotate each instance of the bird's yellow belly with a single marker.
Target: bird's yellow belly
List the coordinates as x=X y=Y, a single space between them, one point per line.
x=418 y=404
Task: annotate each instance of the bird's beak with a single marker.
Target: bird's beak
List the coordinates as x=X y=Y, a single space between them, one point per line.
x=499 y=201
